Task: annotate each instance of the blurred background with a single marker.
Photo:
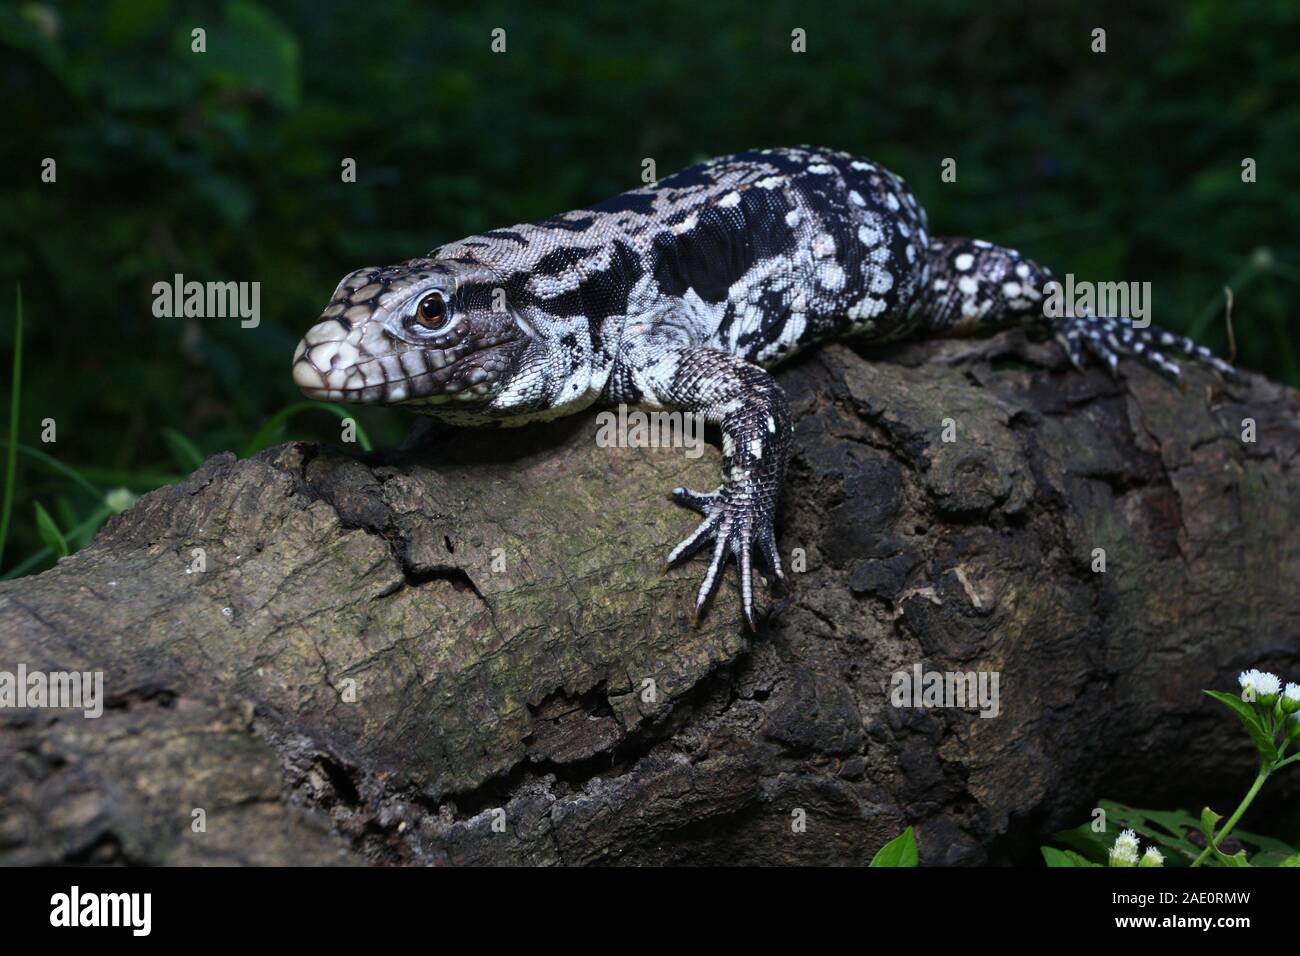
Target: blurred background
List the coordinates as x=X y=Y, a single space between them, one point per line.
x=225 y=166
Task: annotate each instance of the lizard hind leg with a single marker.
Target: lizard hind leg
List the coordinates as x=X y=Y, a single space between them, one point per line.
x=972 y=287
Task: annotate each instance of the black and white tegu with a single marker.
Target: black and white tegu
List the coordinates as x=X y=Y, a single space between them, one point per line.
x=679 y=296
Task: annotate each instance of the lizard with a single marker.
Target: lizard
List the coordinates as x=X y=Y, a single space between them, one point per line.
x=681 y=295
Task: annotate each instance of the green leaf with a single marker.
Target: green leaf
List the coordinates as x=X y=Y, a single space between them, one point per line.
x=1266 y=845
x=900 y=851
x=67 y=517
x=1054 y=858
x=1209 y=820
x=252 y=50
x=1091 y=845
x=1237 y=859
x=127 y=20
x=184 y=452
x=1252 y=720
x=18 y=570
x=1291 y=861
x=49 y=532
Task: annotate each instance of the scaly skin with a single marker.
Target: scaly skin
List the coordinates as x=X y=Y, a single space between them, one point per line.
x=678 y=296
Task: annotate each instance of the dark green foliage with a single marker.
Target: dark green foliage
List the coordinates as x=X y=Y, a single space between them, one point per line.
x=225 y=166
x=1169 y=831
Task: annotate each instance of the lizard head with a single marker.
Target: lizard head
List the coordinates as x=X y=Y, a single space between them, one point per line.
x=427 y=334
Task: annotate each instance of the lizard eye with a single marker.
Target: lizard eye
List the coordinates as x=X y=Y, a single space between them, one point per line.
x=432 y=310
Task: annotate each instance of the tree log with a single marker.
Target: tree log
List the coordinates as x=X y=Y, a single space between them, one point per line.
x=465 y=652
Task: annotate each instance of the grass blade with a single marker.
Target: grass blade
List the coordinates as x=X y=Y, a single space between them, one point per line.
x=11 y=455
x=49 y=531
x=58 y=467
x=184 y=451
x=267 y=434
x=94 y=521
x=139 y=479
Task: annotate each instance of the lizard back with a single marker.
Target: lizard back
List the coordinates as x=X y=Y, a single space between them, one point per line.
x=760 y=254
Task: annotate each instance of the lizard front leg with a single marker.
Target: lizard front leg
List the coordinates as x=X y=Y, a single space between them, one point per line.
x=749 y=406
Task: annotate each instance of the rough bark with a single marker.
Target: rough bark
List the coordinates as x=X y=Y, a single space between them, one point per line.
x=519 y=696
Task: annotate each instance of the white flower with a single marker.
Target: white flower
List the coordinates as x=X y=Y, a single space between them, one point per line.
x=1152 y=857
x=1123 y=856
x=1268 y=685
x=1125 y=850
x=1259 y=686
x=1293 y=692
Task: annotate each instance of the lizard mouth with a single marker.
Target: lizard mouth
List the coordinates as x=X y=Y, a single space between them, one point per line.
x=329 y=365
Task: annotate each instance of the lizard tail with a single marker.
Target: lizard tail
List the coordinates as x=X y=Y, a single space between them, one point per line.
x=974 y=287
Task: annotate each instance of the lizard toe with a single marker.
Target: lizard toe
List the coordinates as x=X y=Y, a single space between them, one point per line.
x=735 y=529
x=1102 y=350
x=766 y=539
x=742 y=552
x=701 y=501
x=1073 y=348
x=693 y=544
x=713 y=576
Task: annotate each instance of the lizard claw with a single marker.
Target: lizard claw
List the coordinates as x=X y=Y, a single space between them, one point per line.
x=733 y=527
